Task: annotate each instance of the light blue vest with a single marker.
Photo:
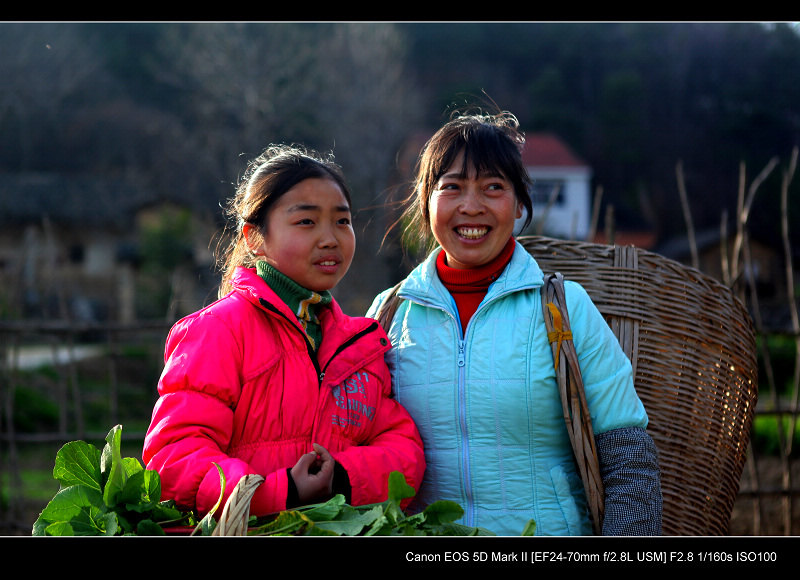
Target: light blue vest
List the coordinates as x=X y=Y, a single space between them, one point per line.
x=487 y=403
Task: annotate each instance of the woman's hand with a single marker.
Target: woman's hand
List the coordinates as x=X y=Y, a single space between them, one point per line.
x=313 y=475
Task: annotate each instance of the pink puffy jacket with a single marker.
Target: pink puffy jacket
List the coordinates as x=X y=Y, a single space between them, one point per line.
x=241 y=388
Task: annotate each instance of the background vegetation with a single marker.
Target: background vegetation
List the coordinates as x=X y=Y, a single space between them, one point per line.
x=177 y=108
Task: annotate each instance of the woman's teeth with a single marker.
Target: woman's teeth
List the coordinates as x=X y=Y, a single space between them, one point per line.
x=472 y=233
x=327 y=263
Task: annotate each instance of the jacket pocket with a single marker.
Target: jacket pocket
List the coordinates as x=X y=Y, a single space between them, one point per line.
x=568 y=489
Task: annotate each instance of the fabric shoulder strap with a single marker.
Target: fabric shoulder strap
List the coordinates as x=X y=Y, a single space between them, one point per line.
x=573 y=398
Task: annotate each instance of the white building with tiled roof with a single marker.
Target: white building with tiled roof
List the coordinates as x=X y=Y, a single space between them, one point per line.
x=561 y=190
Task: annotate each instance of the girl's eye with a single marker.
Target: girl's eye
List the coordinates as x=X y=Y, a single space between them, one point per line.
x=305 y=222
x=344 y=221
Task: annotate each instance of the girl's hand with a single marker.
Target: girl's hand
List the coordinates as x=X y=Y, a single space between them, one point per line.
x=313 y=475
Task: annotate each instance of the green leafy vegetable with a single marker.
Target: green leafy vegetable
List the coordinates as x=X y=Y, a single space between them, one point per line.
x=103 y=493
x=337 y=518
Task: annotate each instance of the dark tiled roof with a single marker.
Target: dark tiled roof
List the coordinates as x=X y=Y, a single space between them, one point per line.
x=68 y=199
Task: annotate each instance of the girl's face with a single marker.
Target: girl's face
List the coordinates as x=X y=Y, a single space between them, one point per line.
x=309 y=235
x=472 y=217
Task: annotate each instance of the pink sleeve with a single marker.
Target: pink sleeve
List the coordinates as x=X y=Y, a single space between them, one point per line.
x=192 y=420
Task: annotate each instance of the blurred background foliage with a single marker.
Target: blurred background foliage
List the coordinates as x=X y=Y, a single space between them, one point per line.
x=178 y=108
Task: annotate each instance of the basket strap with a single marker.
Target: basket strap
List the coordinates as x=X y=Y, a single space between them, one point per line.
x=573 y=399
x=388 y=307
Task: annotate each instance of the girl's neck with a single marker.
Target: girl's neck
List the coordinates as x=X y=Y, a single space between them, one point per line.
x=303 y=302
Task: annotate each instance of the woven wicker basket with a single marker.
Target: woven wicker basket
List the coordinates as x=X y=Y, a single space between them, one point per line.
x=692 y=346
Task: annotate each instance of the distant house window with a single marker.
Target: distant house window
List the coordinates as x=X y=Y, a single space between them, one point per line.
x=76 y=254
x=544 y=189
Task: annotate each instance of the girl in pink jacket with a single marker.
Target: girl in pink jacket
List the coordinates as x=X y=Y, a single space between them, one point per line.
x=273 y=378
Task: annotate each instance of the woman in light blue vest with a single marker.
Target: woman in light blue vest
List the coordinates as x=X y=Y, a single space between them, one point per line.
x=472 y=364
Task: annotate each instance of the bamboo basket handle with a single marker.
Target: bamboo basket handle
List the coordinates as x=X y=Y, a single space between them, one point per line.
x=236 y=514
x=573 y=399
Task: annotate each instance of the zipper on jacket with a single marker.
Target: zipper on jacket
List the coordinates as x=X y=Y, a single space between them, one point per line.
x=425 y=301
x=309 y=347
x=461 y=361
x=462 y=405
x=311 y=352
x=470 y=510
x=371 y=328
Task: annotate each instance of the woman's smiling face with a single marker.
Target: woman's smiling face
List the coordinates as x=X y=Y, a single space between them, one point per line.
x=472 y=216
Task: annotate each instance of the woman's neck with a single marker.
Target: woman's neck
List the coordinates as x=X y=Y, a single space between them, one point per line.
x=469 y=286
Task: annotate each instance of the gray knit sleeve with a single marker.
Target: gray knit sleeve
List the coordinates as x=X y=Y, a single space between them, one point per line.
x=632 y=481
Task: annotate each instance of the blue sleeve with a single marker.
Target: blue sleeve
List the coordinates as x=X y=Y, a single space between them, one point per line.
x=606 y=370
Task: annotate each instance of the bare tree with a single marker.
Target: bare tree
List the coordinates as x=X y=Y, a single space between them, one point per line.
x=335 y=87
x=43 y=66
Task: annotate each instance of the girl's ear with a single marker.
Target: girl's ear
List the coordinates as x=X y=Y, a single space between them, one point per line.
x=252 y=238
x=520 y=210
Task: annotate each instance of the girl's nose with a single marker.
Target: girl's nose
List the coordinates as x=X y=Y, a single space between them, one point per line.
x=327 y=238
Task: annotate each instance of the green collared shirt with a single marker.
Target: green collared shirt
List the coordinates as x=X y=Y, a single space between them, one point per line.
x=303 y=302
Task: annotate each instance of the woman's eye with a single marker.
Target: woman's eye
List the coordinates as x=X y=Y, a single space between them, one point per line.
x=496 y=187
x=344 y=221
x=447 y=187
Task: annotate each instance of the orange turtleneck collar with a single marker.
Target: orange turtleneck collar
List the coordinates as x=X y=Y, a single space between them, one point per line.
x=469 y=286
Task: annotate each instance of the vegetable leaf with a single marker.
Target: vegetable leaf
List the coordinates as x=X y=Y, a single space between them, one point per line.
x=103 y=493
x=78 y=463
x=142 y=491
x=80 y=511
x=398 y=488
x=443 y=512
x=112 y=466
